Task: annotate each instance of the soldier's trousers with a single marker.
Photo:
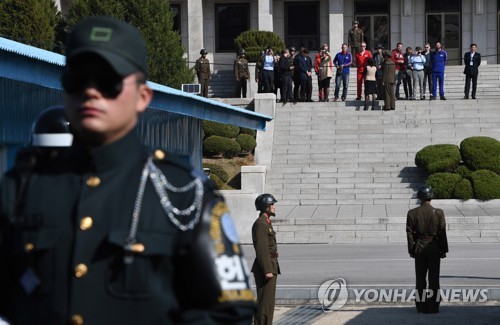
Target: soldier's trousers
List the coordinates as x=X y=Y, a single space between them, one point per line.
x=427 y=264
x=266 y=292
x=204 y=87
x=241 y=88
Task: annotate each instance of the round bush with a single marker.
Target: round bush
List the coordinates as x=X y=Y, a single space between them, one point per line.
x=219 y=184
x=217 y=170
x=216 y=145
x=481 y=153
x=486 y=184
x=463 y=190
x=248 y=131
x=438 y=158
x=224 y=130
x=246 y=142
x=442 y=184
x=463 y=171
x=255 y=41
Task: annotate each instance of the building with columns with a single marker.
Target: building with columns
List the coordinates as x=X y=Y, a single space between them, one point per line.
x=213 y=24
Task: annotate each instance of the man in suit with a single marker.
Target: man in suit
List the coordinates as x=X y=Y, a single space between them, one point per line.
x=427 y=244
x=472 y=61
x=265 y=267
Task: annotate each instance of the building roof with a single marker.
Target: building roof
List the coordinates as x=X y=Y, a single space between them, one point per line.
x=44 y=68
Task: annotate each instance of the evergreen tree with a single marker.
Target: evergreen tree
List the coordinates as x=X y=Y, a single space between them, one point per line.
x=30 y=22
x=154 y=19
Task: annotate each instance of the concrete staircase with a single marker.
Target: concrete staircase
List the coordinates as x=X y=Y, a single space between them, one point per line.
x=342 y=174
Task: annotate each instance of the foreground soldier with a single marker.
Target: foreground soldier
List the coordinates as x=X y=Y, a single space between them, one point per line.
x=265 y=267
x=111 y=235
x=427 y=243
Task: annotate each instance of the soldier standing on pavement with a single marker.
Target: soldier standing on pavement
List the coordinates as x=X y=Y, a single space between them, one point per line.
x=242 y=74
x=355 y=38
x=202 y=68
x=265 y=267
x=112 y=234
x=427 y=244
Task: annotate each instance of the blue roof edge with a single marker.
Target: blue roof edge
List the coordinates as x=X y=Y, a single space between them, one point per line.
x=186 y=103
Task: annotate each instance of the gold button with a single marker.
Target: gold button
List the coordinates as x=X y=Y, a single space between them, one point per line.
x=159 y=154
x=77 y=320
x=81 y=270
x=28 y=247
x=86 y=223
x=93 y=181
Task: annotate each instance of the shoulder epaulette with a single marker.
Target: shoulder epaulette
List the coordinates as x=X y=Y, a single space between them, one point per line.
x=162 y=156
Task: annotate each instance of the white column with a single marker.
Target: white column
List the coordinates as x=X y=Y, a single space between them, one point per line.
x=265 y=10
x=195 y=29
x=335 y=24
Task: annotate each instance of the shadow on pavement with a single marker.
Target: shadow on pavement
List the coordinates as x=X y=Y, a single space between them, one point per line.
x=408 y=315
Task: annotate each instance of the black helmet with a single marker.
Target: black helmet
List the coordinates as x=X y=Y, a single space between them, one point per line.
x=242 y=51
x=203 y=51
x=51 y=129
x=425 y=193
x=263 y=201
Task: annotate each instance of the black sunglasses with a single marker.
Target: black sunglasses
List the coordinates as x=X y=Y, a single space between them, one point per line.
x=110 y=86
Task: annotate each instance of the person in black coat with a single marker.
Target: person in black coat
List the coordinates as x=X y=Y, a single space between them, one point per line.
x=113 y=233
x=472 y=61
x=286 y=68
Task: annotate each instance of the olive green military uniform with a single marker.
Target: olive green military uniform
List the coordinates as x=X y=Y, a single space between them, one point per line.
x=202 y=68
x=427 y=243
x=242 y=74
x=66 y=257
x=356 y=37
x=266 y=261
x=388 y=80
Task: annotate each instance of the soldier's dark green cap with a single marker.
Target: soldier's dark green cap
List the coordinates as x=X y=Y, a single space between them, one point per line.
x=119 y=43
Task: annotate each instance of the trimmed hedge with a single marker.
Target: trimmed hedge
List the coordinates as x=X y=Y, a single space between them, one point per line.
x=246 y=142
x=255 y=41
x=481 y=153
x=219 y=184
x=438 y=158
x=486 y=185
x=224 y=130
x=217 y=170
x=248 y=131
x=217 y=145
x=463 y=171
x=450 y=186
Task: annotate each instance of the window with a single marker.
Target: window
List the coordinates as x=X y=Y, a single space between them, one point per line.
x=442 y=6
x=230 y=21
x=176 y=9
x=371 y=7
x=302 y=24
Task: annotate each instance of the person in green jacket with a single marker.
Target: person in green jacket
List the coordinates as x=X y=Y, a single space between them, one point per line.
x=265 y=267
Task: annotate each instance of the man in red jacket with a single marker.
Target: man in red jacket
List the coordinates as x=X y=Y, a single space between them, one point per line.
x=361 y=62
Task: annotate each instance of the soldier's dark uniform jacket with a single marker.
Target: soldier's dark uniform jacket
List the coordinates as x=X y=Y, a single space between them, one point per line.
x=77 y=253
x=266 y=247
x=425 y=224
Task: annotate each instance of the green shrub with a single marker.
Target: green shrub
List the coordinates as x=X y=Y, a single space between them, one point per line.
x=217 y=170
x=246 y=142
x=219 y=184
x=254 y=41
x=463 y=171
x=438 y=158
x=481 y=153
x=486 y=185
x=463 y=190
x=443 y=184
x=224 y=130
x=217 y=145
x=248 y=131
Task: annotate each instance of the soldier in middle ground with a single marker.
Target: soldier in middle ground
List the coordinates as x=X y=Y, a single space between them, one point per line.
x=265 y=267
x=202 y=68
x=389 y=71
x=356 y=37
x=242 y=74
x=427 y=244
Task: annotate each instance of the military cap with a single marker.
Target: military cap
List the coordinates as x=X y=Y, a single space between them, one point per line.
x=119 y=43
x=355 y=22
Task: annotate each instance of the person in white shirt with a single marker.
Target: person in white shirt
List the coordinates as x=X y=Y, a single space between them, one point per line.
x=417 y=62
